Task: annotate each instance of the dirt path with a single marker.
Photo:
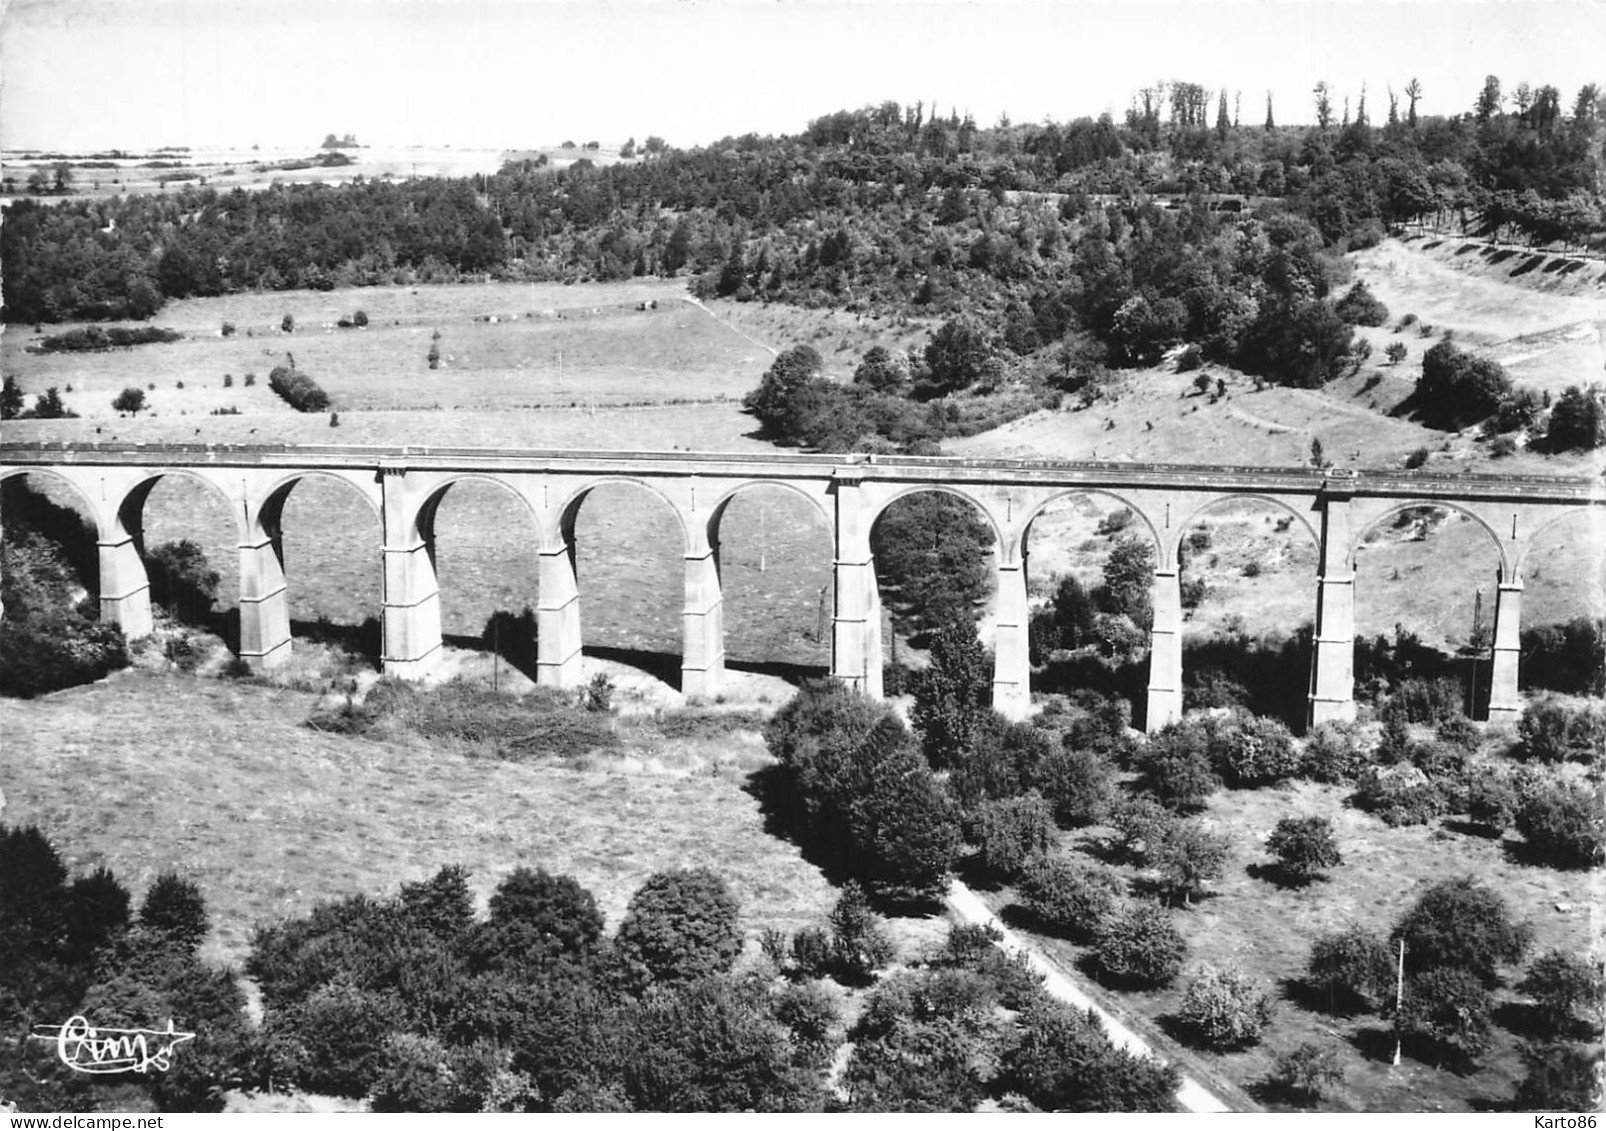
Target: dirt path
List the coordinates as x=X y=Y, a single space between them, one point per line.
x=773 y=352
x=1192 y=1096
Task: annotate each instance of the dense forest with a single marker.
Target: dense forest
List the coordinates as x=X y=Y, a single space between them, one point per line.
x=1056 y=243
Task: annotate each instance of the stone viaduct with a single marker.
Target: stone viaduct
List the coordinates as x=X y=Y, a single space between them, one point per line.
x=406 y=485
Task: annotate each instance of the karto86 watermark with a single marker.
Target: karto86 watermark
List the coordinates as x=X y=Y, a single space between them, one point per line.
x=103 y=1051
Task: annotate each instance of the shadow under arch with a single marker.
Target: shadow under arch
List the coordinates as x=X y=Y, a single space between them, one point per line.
x=77 y=530
x=1250 y=601
x=345 y=603
x=487 y=604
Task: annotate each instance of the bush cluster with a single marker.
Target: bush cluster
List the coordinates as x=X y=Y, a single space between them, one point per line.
x=298 y=389
x=93 y=338
x=1223 y=1009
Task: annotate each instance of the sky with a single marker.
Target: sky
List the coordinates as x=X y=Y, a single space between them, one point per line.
x=79 y=75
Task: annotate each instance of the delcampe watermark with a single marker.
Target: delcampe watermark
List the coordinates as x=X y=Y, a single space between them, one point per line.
x=86 y=1048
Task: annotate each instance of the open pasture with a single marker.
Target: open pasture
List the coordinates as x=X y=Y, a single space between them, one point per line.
x=269 y=817
x=1267 y=931
x=502 y=347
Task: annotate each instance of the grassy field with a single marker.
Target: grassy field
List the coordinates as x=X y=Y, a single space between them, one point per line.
x=269 y=817
x=1268 y=931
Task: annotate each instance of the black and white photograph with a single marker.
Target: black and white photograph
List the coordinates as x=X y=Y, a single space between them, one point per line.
x=802 y=556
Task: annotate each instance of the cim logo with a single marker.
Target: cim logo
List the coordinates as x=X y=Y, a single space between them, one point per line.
x=84 y=1048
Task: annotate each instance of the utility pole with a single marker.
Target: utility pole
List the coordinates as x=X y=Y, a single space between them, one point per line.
x=1399 y=1001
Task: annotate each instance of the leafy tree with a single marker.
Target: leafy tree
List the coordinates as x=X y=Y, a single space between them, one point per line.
x=785 y=378
x=130 y=400
x=182 y=579
x=1138 y=946
x=1187 y=857
x=1351 y=967
x=1223 y=1009
x=1560 y=1077
x=1359 y=307
x=1457 y=388
x=175 y=909
x=859 y=942
x=1067 y=896
x=932 y=554
x=442 y=905
x=1450 y=1010
x=1564 y=823
x=1063 y=1061
x=961 y=353
x=538 y=919
x=1577 y=420
x=1011 y=831
x=1079 y=783
x=1561 y=984
x=1176 y=765
x=1308 y=1070
x=10 y=399
x=679 y=926
x=1304 y=847
x=712 y=1045
x=882 y=371
x=1461 y=924
x=923 y=1043
x=952 y=696
x=1129 y=579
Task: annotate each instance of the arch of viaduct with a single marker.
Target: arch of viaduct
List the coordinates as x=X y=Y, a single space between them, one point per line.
x=406 y=485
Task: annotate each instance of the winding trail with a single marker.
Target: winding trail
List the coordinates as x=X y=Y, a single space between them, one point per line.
x=1192 y=1096
x=698 y=303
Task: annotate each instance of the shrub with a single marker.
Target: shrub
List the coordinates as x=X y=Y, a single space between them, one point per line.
x=1450 y=1010
x=679 y=926
x=1560 y=1078
x=228 y=380
x=1416 y=459
x=175 y=909
x=536 y=919
x=1564 y=823
x=1304 y=847
x=1176 y=765
x=1187 y=857
x=1578 y=420
x=811 y=951
x=597 y=697
x=1192 y=358
x=1138 y=945
x=1561 y=984
x=297 y=389
x=1141 y=824
x=1424 y=701
x=1551 y=731
x=288 y=324
x=1308 y=1070
x=810 y=1016
x=1395 y=352
x=1333 y=754
x=1457 y=388
x=131 y=400
x=1224 y=1010
x=1501 y=447
x=250 y=380
x=859 y=942
x=1399 y=795
x=1064 y=1061
x=1079 y=783
x=1249 y=751
x=1463 y=925
x=182 y=580
x=1351 y=967
x=1491 y=798
x=359 y=319
x=1069 y=897
x=228 y=329
x=1359 y=307
x=1011 y=831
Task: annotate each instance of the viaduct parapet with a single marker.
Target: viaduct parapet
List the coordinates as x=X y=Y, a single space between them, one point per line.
x=405 y=485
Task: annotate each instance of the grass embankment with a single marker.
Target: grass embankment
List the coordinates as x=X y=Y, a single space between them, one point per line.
x=268 y=816
x=1267 y=931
